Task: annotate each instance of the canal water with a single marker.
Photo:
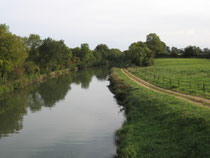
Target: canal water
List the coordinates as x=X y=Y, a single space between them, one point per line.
x=71 y=116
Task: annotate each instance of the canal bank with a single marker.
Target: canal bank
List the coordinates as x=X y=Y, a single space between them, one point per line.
x=158 y=125
x=34 y=79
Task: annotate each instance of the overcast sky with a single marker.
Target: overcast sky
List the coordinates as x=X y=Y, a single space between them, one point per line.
x=116 y=23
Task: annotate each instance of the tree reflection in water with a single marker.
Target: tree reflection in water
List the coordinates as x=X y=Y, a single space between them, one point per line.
x=13 y=106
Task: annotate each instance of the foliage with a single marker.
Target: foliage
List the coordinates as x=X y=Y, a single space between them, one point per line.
x=156 y=45
x=33 y=42
x=140 y=54
x=31 y=68
x=174 y=52
x=53 y=55
x=12 y=51
x=192 y=51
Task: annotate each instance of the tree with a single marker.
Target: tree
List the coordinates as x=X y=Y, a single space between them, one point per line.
x=86 y=55
x=33 y=42
x=156 y=45
x=140 y=54
x=206 y=51
x=103 y=51
x=53 y=55
x=116 y=55
x=174 y=52
x=12 y=51
x=192 y=51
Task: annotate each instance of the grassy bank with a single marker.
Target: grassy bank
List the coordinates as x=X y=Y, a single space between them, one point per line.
x=29 y=80
x=189 y=76
x=159 y=125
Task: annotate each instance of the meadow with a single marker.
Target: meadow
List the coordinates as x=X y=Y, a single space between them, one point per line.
x=159 y=125
x=190 y=76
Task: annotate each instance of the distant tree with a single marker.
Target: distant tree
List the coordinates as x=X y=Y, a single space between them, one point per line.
x=86 y=55
x=104 y=52
x=156 y=45
x=76 y=51
x=168 y=50
x=192 y=51
x=33 y=42
x=206 y=51
x=140 y=54
x=53 y=55
x=116 y=55
x=12 y=51
x=181 y=51
x=174 y=52
x=102 y=48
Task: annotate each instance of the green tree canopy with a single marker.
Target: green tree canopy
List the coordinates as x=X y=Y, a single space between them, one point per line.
x=12 y=51
x=53 y=54
x=86 y=55
x=192 y=51
x=174 y=52
x=140 y=54
x=33 y=42
x=156 y=45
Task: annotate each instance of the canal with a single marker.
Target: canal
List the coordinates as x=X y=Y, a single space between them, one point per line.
x=71 y=116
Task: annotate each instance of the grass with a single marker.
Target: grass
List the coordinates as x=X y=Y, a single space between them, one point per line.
x=159 y=125
x=190 y=76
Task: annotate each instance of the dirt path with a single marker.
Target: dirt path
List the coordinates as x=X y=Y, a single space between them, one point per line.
x=189 y=98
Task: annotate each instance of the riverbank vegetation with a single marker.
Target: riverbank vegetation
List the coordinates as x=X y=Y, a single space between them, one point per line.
x=189 y=76
x=23 y=59
x=159 y=125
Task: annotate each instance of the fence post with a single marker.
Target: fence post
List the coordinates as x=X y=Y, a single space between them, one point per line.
x=204 y=88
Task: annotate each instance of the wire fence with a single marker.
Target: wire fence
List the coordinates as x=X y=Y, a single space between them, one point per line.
x=175 y=83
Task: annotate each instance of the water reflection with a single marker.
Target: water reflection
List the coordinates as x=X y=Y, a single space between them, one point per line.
x=14 y=106
x=72 y=116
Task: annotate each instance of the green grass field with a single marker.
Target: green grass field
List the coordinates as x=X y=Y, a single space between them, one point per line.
x=191 y=76
x=158 y=125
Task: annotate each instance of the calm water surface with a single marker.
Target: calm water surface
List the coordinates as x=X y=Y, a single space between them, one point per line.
x=72 y=116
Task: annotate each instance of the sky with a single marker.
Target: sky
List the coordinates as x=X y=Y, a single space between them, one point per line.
x=117 y=23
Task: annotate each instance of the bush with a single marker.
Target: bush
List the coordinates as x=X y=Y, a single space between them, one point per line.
x=31 y=68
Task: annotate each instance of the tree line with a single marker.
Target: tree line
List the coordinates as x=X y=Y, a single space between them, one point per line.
x=24 y=56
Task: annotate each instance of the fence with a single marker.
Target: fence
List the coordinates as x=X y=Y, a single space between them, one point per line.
x=170 y=83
